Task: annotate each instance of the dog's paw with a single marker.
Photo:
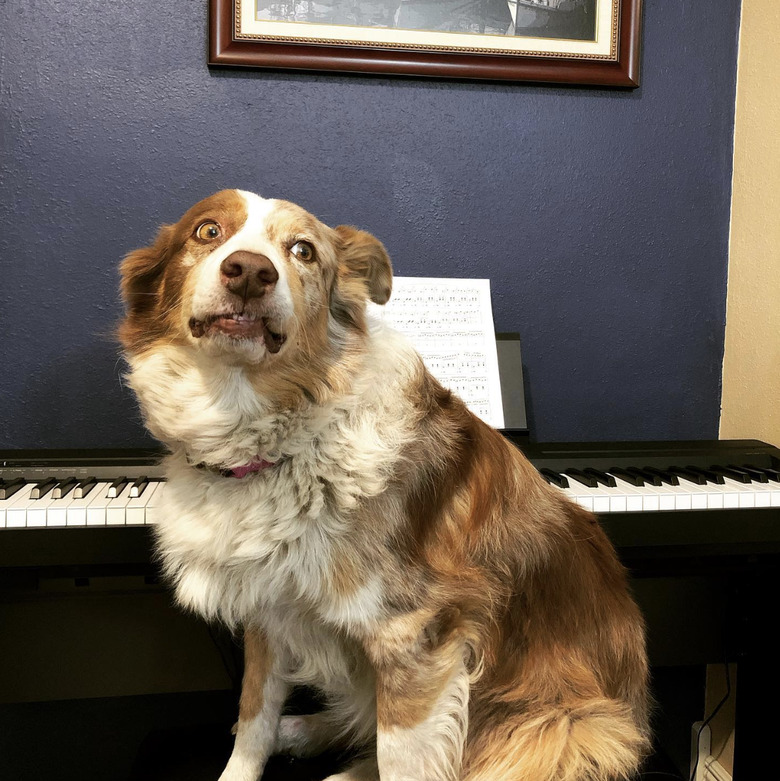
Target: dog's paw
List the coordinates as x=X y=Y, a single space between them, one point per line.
x=234 y=729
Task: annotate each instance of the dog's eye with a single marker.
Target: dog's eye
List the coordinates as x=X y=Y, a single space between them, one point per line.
x=303 y=251
x=208 y=231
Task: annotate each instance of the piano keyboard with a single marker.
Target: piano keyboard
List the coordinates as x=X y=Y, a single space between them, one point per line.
x=733 y=484
x=88 y=491
x=616 y=491
x=133 y=501
x=79 y=492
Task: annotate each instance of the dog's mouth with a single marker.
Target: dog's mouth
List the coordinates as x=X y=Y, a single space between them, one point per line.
x=238 y=325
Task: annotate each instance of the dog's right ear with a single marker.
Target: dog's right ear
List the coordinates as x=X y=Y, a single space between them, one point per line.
x=142 y=269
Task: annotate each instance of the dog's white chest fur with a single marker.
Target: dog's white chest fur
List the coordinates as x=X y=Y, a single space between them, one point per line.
x=240 y=547
x=237 y=548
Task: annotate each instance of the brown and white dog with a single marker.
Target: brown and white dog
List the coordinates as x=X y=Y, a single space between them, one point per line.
x=371 y=537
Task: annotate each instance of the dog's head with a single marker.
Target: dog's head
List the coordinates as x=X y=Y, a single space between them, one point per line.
x=248 y=279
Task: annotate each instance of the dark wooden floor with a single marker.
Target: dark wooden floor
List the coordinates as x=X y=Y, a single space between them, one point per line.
x=183 y=737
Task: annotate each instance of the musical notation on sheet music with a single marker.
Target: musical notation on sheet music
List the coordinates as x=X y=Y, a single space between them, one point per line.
x=450 y=323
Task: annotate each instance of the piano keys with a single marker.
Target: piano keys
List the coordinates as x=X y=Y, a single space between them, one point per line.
x=64 y=489
x=646 y=493
x=664 y=476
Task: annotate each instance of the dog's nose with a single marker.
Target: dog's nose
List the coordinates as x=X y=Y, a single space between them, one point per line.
x=248 y=274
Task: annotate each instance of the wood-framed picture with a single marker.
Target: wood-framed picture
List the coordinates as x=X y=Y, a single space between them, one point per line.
x=593 y=42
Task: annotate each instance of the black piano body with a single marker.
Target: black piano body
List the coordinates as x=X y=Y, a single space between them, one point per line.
x=704 y=577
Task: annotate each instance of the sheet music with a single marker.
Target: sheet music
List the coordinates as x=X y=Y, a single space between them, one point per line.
x=450 y=322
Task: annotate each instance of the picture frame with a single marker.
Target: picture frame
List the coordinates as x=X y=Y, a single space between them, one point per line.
x=460 y=39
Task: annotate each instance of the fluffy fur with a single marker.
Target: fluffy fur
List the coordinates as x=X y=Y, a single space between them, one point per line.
x=462 y=618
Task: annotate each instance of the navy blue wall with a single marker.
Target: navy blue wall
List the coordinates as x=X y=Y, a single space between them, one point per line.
x=600 y=216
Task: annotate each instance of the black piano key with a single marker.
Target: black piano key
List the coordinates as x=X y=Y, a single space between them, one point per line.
x=662 y=475
x=139 y=486
x=772 y=474
x=84 y=487
x=43 y=488
x=646 y=476
x=742 y=471
x=740 y=477
x=755 y=475
x=117 y=487
x=627 y=475
x=601 y=477
x=64 y=487
x=581 y=477
x=707 y=474
x=555 y=478
x=10 y=487
x=688 y=474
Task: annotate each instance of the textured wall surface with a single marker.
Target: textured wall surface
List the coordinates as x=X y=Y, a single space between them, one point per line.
x=751 y=365
x=600 y=216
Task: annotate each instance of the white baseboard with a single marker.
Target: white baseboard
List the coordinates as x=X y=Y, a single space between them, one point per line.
x=708 y=768
x=713 y=770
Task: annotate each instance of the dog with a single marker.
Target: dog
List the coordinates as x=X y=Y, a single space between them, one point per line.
x=369 y=536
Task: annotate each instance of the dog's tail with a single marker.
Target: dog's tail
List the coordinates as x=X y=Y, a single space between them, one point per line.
x=597 y=740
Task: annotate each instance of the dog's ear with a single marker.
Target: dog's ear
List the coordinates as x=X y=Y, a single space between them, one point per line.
x=364 y=272
x=364 y=257
x=142 y=269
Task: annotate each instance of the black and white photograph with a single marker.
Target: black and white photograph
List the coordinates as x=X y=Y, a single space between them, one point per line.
x=562 y=19
x=570 y=41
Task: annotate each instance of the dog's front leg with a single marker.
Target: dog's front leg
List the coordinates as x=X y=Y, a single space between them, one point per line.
x=263 y=693
x=422 y=713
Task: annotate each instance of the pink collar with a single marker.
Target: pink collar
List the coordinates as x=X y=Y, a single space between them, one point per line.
x=255 y=465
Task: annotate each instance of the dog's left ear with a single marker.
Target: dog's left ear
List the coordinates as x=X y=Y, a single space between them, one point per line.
x=364 y=273
x=363 y=256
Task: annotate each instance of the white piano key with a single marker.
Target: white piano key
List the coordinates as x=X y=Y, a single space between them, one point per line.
x=16 y=511
x=657 y=497
x=36 y=511
x=77 y=511
x=625 y=497
x=620 y=498
x=761 y=493
x=137 y=506
x=672 y=497
x=696 y=498
x=634 y=497
x=715 y=494
x=650 y=498
x=746 y=494
x=154 y=503
x=699 y=497
x=13 y=513
x=96 y=509
x=608 y=499
x=578 y=496
x=57 y=511
x=728 y=493
x=733 y=495
x=115 y=512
